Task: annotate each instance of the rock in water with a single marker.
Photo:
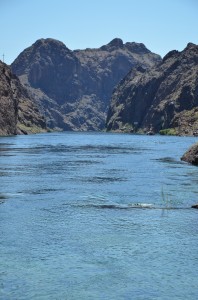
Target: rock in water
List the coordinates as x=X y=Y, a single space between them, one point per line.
x=164 y=97
x=191 y=156
x=195 y=206
x=73 y=88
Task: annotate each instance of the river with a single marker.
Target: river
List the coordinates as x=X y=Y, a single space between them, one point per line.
x=97 y=216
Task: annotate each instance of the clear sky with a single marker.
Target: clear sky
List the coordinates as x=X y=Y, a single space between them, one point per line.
x=162 y=25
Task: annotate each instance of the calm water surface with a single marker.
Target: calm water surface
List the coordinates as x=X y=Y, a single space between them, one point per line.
x=97 y=216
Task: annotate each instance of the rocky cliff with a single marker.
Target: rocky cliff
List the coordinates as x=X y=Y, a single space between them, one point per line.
x=8 y=101
x=73 y=88
x=18 y=113
x=162 y=99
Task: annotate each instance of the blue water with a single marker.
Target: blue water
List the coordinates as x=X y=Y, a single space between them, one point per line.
x=97 y=216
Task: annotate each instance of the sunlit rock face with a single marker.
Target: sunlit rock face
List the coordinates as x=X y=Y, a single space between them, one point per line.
x=163 y=97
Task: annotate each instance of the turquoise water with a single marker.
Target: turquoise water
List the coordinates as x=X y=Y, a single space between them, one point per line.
x=97 y=216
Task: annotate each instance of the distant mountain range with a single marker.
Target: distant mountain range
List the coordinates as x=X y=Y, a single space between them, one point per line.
x=73 y=88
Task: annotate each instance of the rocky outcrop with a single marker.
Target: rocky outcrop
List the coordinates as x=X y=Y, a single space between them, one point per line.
x=191 y=155
x=73 y=88
x=163 y=98
x=18 y=113
x=8 y=101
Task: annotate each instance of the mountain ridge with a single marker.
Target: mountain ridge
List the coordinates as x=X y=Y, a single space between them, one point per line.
x=73 y=88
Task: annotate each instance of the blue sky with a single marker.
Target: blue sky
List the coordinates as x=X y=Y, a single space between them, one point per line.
x=162 y=25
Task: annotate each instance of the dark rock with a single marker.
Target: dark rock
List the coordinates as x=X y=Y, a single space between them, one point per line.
x=73 y=88
x=195 y=206
x=191 y=155
x=163 y=97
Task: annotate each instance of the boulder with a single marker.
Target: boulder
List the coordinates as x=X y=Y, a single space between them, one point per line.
x=191 y=155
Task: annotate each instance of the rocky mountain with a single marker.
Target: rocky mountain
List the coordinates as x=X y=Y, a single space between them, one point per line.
x=18 y=113
x=73 y=88
x=162 y=99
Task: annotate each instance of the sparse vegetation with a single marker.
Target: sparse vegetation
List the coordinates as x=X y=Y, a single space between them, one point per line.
x=30 y=129
x=168 y=131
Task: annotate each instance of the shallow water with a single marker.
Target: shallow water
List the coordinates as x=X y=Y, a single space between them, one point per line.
x=97 y=216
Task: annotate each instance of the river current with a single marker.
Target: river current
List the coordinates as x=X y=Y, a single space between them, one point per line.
x=97 y=216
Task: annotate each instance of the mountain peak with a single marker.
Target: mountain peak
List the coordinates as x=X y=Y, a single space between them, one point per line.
x=191 y=48
x=114 y=44
x=191 y=45
x=48 y=41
